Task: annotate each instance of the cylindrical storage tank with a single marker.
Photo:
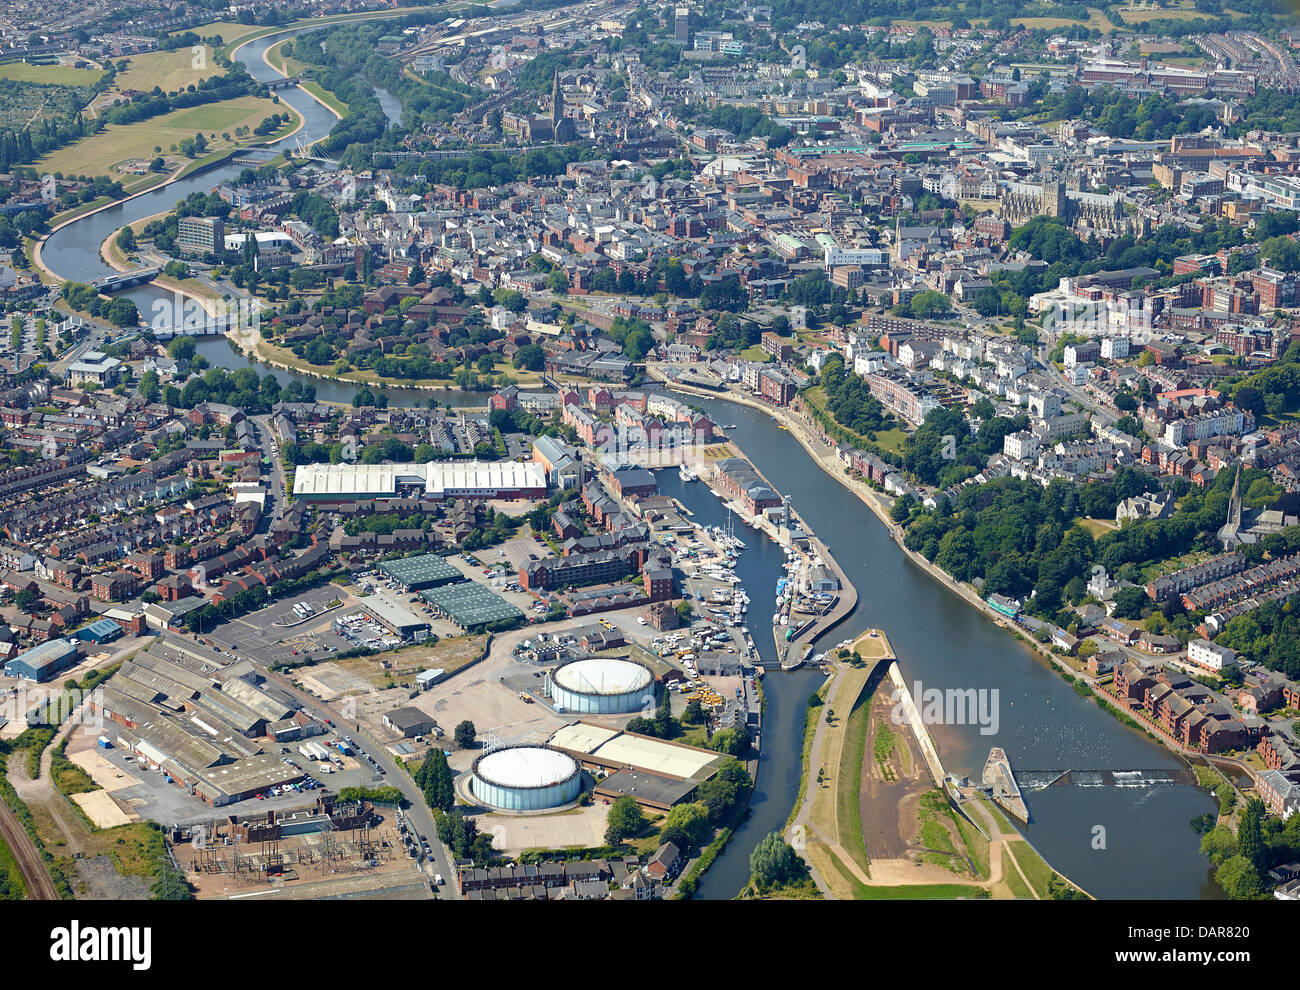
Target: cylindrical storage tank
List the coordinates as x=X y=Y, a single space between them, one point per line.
x=526 y=778
x=602 y=686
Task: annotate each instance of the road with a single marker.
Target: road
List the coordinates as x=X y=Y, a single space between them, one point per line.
x=277 y=498
x=418 y=812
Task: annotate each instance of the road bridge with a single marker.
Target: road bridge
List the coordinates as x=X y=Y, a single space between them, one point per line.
x=125 y=280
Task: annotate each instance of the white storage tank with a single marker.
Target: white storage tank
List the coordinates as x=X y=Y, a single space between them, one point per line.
x=526 y=778
x=603 y=686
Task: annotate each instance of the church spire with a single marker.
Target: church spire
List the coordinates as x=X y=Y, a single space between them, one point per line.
x=557 y=101
x=1234 y=503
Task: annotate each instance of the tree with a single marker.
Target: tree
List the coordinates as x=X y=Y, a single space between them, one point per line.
x=1250 y=834
x=624 y=821
x=928 y=304
x=465 y=734
x=694 y=713
x=182 y=349
x=1239 y=879
x=733 y=742
x=558 y=282
x=25 y=600
x=126 y=239
x=1129 y=602
x=686 y=825
x=1250 y=399
x=149 y=388
x=436 y=781
x=773 y=863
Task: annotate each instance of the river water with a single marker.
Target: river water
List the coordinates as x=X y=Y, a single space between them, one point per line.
x=73 y=252
x=1116 y=843
x=785 y=693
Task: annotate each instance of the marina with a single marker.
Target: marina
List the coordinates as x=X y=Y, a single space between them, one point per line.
x=949 y=645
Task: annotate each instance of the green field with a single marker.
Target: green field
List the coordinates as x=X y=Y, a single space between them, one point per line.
x=325 y=96
x=169 y=71
x=103 y=152
x=283 y=63
x=1183 y=12
x=51 y=75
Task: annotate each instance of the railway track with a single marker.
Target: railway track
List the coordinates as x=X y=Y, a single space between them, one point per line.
x=40 y=887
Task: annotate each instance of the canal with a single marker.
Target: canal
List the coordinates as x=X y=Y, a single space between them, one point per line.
x=784 y=692
x=1115 y=842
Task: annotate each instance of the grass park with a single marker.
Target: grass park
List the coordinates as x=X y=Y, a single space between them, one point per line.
x=169 y=71
x=49 y=75
x=102 y=153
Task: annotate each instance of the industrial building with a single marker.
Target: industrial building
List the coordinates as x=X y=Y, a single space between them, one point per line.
x=40 y=663
x=417 y=573
x=470 y=605
x=99 y=631
x=395 y=616
x=602 y=686
x=409 y=722
x=179 y=712
x=434 y=480
x=599 y=747
x=526 y=778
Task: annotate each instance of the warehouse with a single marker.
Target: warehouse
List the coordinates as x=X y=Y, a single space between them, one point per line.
x=471 y=605
x=434 y=480
x=649 y=789
x=603 y=748
x=43 y=662
x=602 y=686
x=395 y=617
x=417 y=573
x=231 y=782
x=99 y=631
x=526 y=778
x=409 y=722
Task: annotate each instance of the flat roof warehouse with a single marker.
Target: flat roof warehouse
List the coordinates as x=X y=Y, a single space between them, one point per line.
x=396 y=616
x=435 y=480
x=469 y=604
x=417 y=573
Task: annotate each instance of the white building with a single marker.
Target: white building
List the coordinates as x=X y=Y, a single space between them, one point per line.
x=1021 y=446
x=1209 y=655
x=1114 y=348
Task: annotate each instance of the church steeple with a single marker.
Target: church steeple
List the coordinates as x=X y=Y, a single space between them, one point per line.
x=1234 y=503
x=557 y=102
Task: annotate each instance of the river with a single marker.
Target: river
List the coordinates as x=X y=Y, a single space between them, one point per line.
x=1145 y=848
x=73 y=251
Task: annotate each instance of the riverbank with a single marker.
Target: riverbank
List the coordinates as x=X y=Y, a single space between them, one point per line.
x=823 y=454
x=335 y=110
x=191 y=169
x=117 y=260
